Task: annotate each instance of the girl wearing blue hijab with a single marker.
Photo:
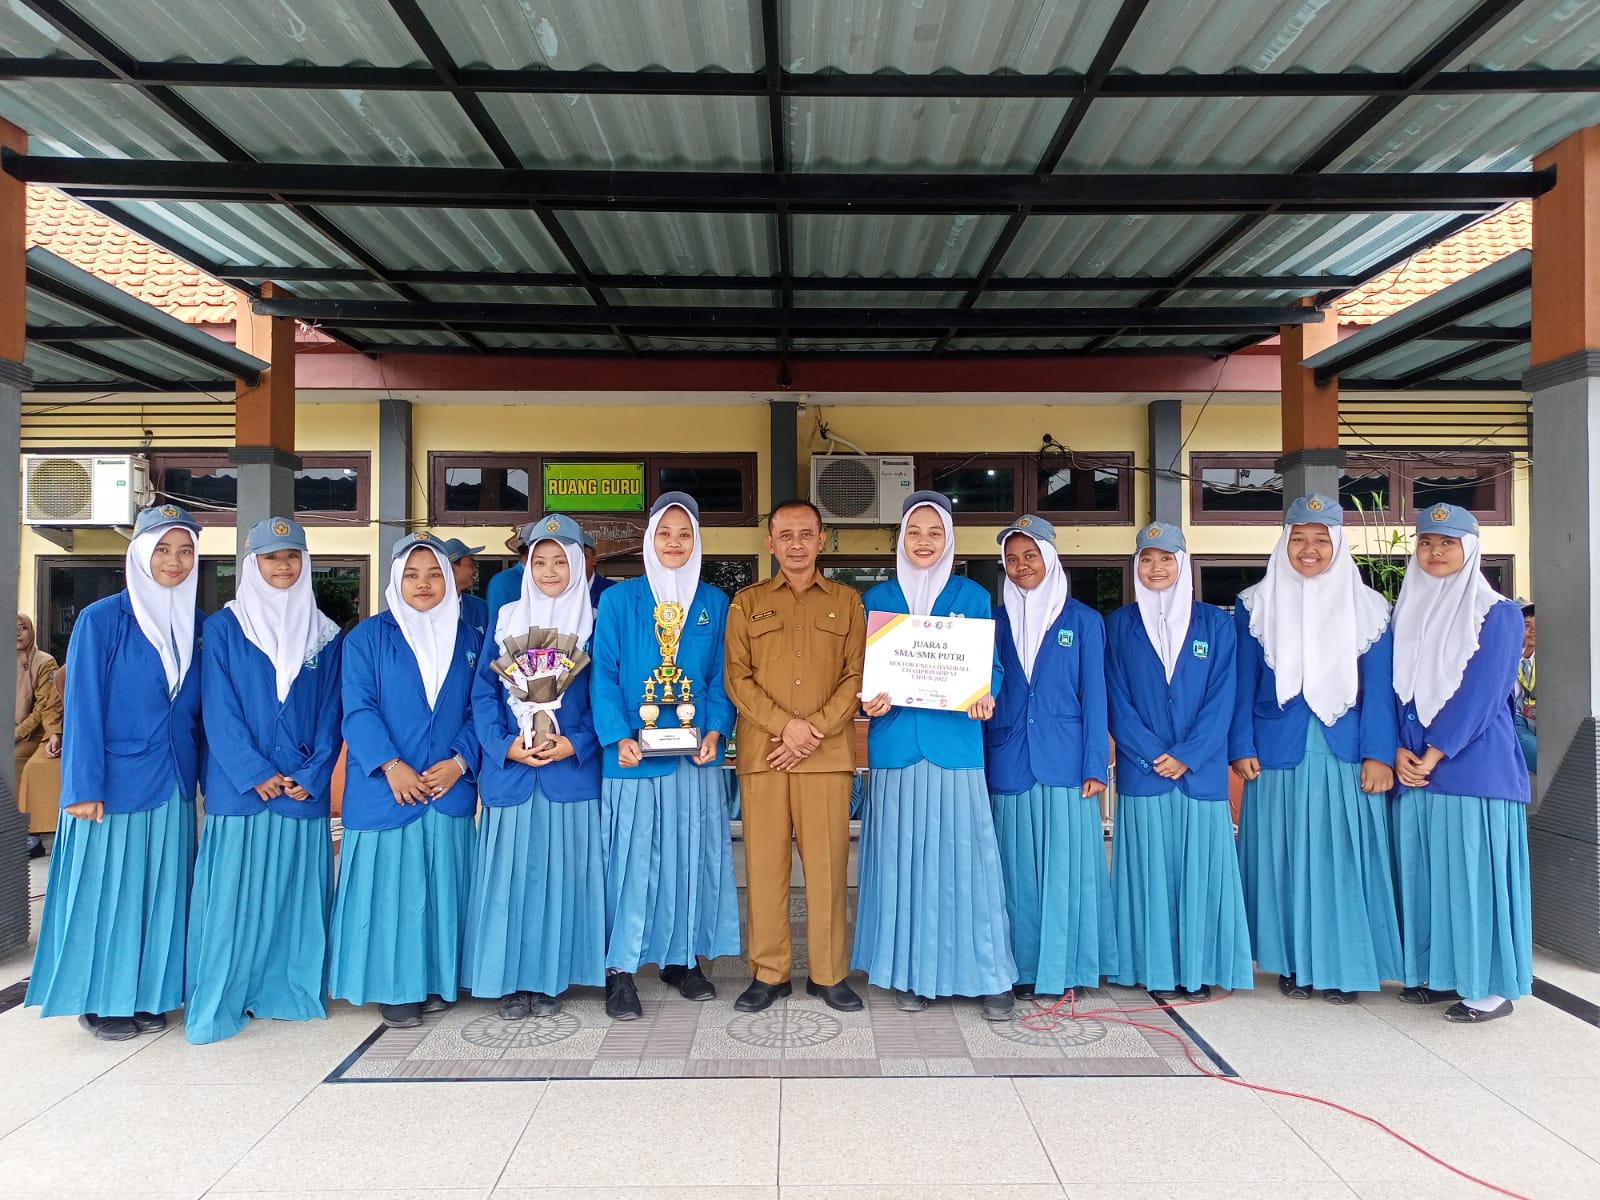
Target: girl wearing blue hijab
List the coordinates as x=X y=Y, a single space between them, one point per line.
x=258 y=942
x=1461 y=820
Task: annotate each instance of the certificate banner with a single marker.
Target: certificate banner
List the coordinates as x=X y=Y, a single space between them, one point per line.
x=929 y=662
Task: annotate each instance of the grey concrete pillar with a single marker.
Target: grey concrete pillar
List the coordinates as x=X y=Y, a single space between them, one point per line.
x=266 y=484
x=1165 y=420
x=1564 y=835
x=394 y=482
x=14 y=377
x=1307 y=471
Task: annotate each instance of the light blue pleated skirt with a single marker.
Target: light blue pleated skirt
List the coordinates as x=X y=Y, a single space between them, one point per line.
x=400 y=910
x=258 y=933
x=1179 y=903
x=116 y=913
x=670 y=894
x=536 y=920
x=1058 y=893
x=932 y=912
x=1465 y=893
x=1316 y=856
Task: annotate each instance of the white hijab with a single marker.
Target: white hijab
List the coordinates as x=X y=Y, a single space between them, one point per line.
x=1166 y=613
x=1031 y=612
x=285 y=624
x=570 y=612
x=922 y=585
x=671 y=583
x=432 y=634
x=1436 y=627
x=165 y=614
x=1312 y=630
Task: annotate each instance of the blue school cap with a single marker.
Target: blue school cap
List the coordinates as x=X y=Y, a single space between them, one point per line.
x=1032 y=526
x=1158 y=535
x=420 y=538
x=555 y=526
x=275 y=533
x=1449 y=519
x=1315 y=509
x=667 y=499
x=159 y=516
x=917 y=499
x=455 y=550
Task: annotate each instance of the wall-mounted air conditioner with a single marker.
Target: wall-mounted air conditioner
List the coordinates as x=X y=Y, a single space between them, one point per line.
x=84 y=489
x=861 y=489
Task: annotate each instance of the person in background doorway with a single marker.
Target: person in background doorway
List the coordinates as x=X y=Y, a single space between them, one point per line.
x=405 y=865
x=1524 y=711
x=38 y=724
x=1311 y=734
x=598 y=583
x=116 y=909
x=258 y=939
x=1174 y=873
x=464 y=565
x=1461 y=821
x=1046 y=755
x=506 y=585
x=929 y=925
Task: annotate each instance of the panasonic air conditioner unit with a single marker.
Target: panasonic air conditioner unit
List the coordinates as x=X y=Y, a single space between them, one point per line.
x=84 y=489
x=861 y=489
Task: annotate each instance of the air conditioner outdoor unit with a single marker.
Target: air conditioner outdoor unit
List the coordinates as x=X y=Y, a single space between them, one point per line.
x=861 y=489
x=84 y=489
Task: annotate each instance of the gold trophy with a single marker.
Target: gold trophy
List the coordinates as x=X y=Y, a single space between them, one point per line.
x=667 y=684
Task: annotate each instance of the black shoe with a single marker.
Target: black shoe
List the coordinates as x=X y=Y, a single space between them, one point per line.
x=760 y=995
x=1024 y=991
x=1423 y=994
x=910 y=1001
x=146 y=1022
x=1168 y=995
x=1293 y=990
x=401 y=1016
x=545 y=1005
x=1460 y=1013
x=1335 y=996
x=690 y=982
x=436 y=1003
x=36 y=846
x=109 y=1029
x=840 y=997
x=1203 y=992
x=999 y=1007
x=515 y=1007
x=622 y=998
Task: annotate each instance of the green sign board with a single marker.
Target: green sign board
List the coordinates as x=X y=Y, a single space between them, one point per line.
x=610 y=487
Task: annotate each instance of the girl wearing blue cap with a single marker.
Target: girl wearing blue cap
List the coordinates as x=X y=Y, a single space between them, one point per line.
x=931 y=920
x=258 y=942
x=116 y=909
x=536 y=920
x=670 y=892
x=405 y=865
x=1461 y=824
x=1046 y=755
x=1174 y=875
x=1312 y=737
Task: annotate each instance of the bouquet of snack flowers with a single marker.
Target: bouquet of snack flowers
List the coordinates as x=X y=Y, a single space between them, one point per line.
x=536 y=669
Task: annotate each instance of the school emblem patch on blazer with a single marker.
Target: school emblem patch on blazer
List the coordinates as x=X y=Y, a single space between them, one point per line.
x=1202 y=649
x=1064 y=637
x=704 y=618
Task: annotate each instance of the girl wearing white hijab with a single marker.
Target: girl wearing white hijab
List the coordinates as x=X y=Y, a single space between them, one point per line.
x=536 y=922
x=1174 y=875
x=132 y=748
x=258 y=943
x=405 y=863
x=1046 y=754
x=932 y=915
x=1313 y=738
x=670 y=892
x=1461 y=822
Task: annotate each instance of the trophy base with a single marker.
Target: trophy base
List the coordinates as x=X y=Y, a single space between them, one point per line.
x=677 y=740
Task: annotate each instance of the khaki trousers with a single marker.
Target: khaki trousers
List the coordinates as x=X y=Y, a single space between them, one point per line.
x=780 y=809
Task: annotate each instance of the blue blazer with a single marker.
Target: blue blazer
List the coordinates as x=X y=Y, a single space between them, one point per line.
x=261 y=737
x=503 y=783
x=1277 y=736
x=475 y=612
x=904 y=736
x=1050 y=729
x=386 y=716
x=625 y=652
x=1187 y=718
x=506 y=586
x=1474 y=727
x=125 y=742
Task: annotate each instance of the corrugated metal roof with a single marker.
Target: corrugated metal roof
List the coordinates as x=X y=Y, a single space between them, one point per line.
x=917 y=134
x=676 y=243
x=1125 y=246
x=634 y=133
x=437 y=239
x=239 y=234
x=895 y=247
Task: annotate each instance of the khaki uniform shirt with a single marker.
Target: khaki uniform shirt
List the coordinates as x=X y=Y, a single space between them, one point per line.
x=796 y=656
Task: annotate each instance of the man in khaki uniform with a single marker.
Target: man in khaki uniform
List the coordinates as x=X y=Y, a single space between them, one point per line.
x=794 y=673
